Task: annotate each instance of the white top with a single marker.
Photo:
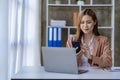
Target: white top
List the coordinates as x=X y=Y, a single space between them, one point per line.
x=84 y=60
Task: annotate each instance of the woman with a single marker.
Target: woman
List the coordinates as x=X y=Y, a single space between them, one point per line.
x=95 y=49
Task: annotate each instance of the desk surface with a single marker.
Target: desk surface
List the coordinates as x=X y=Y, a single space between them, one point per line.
x=39 y=73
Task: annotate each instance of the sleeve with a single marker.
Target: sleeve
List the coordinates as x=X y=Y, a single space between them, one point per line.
x=105 y=60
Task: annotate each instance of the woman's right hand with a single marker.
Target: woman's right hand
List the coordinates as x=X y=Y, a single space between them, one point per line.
x=70 y=39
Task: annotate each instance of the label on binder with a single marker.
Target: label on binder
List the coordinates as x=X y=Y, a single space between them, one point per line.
x=55 y=37
x=50 y=36
x=59 y=40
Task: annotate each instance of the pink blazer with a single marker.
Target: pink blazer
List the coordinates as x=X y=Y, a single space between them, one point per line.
x=101 y=52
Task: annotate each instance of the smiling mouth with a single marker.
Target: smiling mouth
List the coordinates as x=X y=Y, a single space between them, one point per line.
x=86 y=29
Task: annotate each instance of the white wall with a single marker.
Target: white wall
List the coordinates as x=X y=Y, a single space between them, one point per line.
x=40 y=7
x=3 y=39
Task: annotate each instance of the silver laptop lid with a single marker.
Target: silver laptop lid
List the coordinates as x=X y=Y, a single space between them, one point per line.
x=60 y=59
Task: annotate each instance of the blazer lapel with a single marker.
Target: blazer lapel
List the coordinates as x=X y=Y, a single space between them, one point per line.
x=95 y=45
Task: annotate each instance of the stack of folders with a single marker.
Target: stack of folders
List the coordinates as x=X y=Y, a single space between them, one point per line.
x=60 y=23
x=54 y=37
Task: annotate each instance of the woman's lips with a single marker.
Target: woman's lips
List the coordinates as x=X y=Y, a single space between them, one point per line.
x=86 y=29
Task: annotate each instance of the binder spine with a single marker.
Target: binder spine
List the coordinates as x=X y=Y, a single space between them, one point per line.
x=59 y=40
x=55 y=36
x=50 y=36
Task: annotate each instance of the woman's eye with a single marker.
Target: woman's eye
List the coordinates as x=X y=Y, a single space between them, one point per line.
x=82 y=22
x=89 y=22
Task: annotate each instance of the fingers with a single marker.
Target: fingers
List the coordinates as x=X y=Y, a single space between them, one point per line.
x=72 y=37
x=76 y=48
x=69 y=44
x=69 y=41
x=79 y=53
x=85 y=49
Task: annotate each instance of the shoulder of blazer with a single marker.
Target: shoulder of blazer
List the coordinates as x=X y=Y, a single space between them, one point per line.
x=101 y=38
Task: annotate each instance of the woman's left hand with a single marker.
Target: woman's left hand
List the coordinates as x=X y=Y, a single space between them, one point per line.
x=86 y=51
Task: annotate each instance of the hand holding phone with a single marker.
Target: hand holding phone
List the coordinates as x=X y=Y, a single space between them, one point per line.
x=76 y=45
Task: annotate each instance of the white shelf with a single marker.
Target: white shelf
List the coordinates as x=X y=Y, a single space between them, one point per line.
x=71 y=5
x=100 y=27
x=104 y=27
x=66 y=26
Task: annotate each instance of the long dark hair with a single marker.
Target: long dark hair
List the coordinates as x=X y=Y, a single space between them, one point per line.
x=91 y=13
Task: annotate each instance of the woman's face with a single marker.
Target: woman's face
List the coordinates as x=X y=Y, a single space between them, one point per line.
x=87 y=24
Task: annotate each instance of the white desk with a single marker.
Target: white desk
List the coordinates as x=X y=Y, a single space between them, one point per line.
x=39 y=73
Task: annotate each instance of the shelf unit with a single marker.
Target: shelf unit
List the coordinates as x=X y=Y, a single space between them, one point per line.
x=107 y=5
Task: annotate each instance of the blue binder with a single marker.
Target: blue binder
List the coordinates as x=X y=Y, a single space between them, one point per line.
x=50 y=36
x=55 y=36
x=59 y=37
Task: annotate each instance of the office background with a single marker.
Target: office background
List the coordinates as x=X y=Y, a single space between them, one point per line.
x=104 y=20
x=32 y=33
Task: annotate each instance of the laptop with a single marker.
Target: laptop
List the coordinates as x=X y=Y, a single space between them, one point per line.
x=60 y=60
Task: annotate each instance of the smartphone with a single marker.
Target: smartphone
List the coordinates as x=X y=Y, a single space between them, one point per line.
x=76 y=44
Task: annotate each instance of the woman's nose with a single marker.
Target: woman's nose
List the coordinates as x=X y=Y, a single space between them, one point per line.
x=85 y=24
